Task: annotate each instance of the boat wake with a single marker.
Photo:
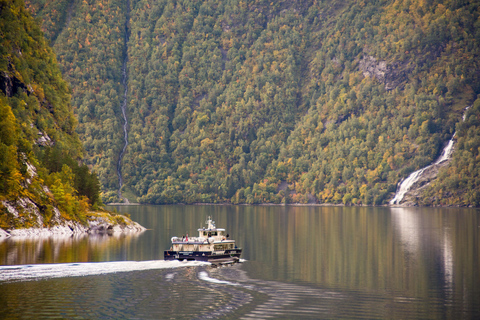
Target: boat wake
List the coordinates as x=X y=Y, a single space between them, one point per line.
x=203 y=275
x=61 y=270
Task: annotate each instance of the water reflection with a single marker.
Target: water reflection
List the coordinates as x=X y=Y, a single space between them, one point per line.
x=417 y=230
x=443 y=246
x=331 y=262
x=66 y=248
x=333 y=246
x=407 y=223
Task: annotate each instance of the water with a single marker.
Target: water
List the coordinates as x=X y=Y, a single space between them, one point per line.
x=300 y=262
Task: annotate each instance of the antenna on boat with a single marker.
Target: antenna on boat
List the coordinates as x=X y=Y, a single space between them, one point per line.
x=210 y=223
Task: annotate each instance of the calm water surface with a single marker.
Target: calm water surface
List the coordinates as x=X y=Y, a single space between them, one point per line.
x=301 y=262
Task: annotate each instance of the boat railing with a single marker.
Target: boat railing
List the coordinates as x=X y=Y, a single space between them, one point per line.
x=189 y=240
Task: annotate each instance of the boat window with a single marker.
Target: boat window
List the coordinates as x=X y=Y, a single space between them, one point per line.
x=204 y=233
x=219 y=247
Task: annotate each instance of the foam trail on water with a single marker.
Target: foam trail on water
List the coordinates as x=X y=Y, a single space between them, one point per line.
x=61 y=270
x=202 y=275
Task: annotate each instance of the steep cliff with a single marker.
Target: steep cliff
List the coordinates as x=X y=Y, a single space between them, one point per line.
x=228 y=101
x=43 y=183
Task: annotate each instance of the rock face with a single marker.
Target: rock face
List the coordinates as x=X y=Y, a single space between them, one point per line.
x=413 y=186
x=97 y=222
x=10 y=85
x=74 y=228
x=29 y=218
x=391 y=75
x=411 y=197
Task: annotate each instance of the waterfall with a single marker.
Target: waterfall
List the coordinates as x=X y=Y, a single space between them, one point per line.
x=447 y=151
x=124 y=105
x=415 y=176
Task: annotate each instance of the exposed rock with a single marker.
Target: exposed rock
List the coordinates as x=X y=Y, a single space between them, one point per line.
x=337 y=62
x=31 y=170
x=10 y=208
x=27 y=207
x=36 y=232
x=10 y=85
x=411 y=197
x=412 y=187
x=4 y=234
x=372 y=68
x=97 y=222
x=391 y=75
x=44 y=139
x=226 y=27
x=26 y=218
x=110 y=224
x=31 y=173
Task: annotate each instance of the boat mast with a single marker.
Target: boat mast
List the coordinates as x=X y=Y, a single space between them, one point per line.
x=210 y=223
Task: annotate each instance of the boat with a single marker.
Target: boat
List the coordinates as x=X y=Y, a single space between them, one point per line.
x=212 y=245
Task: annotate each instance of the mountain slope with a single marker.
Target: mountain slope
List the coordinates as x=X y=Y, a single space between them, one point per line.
x=260 y=101
x=89 y=44
x=43 y=183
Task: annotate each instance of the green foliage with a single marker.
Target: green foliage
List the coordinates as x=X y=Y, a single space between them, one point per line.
x=238 y=100
x=87 y=37
x=54 y=15
x=61 y=185
x=39 y=149
x=459 y=183
x=84 y=182
x=9 y=168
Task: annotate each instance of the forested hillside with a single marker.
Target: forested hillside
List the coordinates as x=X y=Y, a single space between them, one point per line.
x=285 y=101
x=42 y=181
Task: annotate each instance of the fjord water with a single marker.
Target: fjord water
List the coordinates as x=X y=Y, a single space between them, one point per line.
x=301 y=262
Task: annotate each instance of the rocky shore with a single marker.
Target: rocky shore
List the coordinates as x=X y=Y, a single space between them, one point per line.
x=73 y=228
x=97 y=222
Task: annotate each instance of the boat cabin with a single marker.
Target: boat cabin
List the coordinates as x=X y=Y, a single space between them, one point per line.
x=212 y=244
x=211 y=239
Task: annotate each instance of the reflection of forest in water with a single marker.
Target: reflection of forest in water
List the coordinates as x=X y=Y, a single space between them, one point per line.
x=413 y=251
x=399 y=254
x=65 y=248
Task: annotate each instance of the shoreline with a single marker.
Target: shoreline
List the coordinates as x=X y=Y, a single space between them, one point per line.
x=406 y=205
x=67 y=231
x=98 y=223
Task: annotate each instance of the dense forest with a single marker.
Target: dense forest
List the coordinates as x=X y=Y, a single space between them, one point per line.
x=273 y=102
x=42 y=178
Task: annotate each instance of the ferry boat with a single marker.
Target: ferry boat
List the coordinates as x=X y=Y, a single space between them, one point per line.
x=212 y=245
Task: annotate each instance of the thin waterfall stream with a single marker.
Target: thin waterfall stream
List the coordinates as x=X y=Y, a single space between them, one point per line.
x=414 y=177
x=124 y=105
